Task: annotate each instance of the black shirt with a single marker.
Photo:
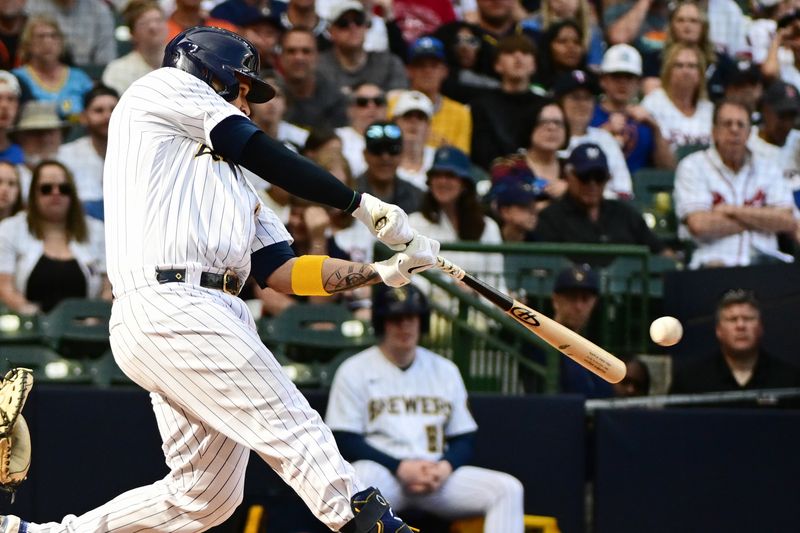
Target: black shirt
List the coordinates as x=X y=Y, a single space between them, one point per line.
x=565 y=220
x=405 y=195
x=53 y=280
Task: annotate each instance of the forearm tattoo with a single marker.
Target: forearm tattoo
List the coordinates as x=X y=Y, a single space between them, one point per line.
x=351 y=276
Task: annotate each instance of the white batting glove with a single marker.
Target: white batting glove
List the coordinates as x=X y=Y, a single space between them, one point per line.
x=387 y=222
x=419 y=255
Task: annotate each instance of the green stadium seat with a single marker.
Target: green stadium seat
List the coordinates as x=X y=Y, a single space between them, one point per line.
x=19 y=329
x=47 y=365
x=688 y=149
x=78 y=328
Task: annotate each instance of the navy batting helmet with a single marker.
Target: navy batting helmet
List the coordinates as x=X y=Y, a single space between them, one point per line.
x=210 y=53
x=397 y=301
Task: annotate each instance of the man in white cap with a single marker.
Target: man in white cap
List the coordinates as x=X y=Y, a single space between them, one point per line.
x=348 y=63
x=9 y=105
x=619 y=113
x=412 y=112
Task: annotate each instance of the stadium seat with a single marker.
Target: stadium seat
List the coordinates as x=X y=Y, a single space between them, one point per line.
x=533 y=524
x=19 y=329
x=688 y=149
x=78 y=328
x=46 y=364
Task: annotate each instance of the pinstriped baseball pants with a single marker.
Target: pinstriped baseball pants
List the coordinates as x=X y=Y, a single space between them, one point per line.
x=217 y=393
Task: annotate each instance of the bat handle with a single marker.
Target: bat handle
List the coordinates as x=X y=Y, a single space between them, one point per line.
x=450 y=268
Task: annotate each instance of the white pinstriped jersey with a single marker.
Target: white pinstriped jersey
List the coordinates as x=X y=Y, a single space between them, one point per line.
x=170 y=201
x=407 y=414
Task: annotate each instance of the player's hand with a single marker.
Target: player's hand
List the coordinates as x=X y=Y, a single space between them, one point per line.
x=439 y=472
x=416 y=475
x=419 y=255
x=387 y=222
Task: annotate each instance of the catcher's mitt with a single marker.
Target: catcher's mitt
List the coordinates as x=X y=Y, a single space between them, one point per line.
x=15 y=440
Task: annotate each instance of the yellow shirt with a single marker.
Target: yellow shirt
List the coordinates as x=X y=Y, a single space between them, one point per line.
x=451 y=124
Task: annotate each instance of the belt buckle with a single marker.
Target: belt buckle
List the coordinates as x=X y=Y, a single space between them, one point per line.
x=230 y=283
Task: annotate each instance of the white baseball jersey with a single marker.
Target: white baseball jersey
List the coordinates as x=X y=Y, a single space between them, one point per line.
x=703 y=181
x=677 y=128
x=217 y=392
x=787 y=157
x=86 y=166
x=408 y=414
x=403 y=413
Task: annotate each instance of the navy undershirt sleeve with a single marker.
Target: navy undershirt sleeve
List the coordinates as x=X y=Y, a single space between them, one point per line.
x=265 y=261
x=460 y=449
x=354 y=447
x=240 y=141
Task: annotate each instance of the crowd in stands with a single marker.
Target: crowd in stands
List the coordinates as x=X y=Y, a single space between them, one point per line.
x=487 y=120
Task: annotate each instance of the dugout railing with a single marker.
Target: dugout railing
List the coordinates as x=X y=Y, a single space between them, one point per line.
x=495 y=354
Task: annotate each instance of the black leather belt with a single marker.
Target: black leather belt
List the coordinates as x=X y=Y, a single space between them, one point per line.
x=227 y=282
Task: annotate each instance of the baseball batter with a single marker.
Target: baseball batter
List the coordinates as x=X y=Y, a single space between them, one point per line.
x=185 y=229
x=399 y=411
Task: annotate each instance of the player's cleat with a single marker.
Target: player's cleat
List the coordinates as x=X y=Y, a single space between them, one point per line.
x=373 y=515
x=12 y=524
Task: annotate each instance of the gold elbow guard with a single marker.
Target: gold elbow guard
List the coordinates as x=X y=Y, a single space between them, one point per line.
x=307 y=276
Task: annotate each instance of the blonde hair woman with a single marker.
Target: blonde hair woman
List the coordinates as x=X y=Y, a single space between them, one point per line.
x=681 y=106
x=44 y=72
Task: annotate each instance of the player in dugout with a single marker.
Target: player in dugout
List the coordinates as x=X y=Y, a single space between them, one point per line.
x=399 y=413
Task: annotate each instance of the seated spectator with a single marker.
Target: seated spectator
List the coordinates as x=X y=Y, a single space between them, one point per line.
x=39 y=133
x=451 y=211
x=148 y=27
x=584 y=215
x=575 y=295
x=451 y=122
x=188 y=14
x=9 y=106
x=416 y=18
x=43 y=75
x=312 y=99
x=85 y=157
x=688 y=25
x=51 y=251
x=553 y=11
x=367 y=103
x=13 y=19
x=264 y=31
x=320 y=142
x=636 y=381
x=577 y=92
x=302 y=14
x=775 y=139
x=727 y=27
x=87 y=25
x=741 y=81
x=348 y=63
x=500 y=115
x=413 y=112
x=518 y=205
x=383 y=146
x=634 y=128
x=10 y=190
x=269 y=116
x=740 y=363
x=469 y=58
x=421 y=466
x=764 y=28
x=732 y=202
x=538 y=165
x=680 y=106
x=562 y=51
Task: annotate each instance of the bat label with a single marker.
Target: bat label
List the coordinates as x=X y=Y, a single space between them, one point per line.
x=525 y=315
x=563 y=347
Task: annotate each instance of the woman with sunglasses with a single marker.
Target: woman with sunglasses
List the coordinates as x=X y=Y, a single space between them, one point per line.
x=10 y=191
x=51 y=251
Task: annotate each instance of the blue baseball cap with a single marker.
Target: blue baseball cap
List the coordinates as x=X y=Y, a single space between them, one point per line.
x=587 y=159
x=578 y=277
x=426 y=47
x=512 y=192
x=451 y=159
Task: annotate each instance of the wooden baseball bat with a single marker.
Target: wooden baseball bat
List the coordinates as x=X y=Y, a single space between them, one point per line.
x=584 y=352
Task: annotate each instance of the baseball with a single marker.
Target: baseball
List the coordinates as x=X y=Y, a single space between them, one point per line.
x=666 y=331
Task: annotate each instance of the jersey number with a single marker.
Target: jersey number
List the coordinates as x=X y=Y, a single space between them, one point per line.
x=435 y=439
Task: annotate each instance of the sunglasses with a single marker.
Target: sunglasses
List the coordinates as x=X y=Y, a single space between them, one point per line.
x=47 y=189
x=599 y=177
x=345 y=22
x=364 y=101
x=383 y=131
